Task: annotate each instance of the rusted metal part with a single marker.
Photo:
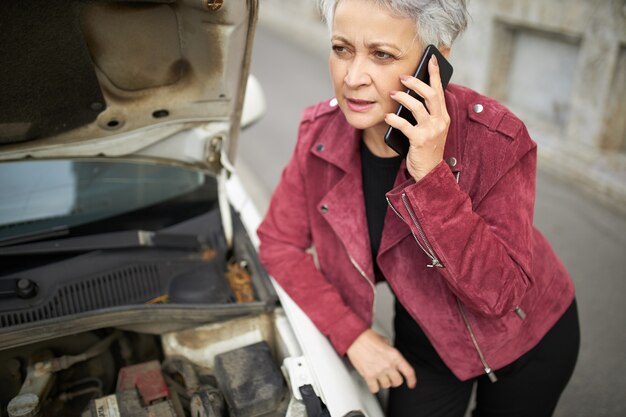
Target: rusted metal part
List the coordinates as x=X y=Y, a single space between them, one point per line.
x=214 y=5
x=161 y=299
x=240 y=283
x=207 y=253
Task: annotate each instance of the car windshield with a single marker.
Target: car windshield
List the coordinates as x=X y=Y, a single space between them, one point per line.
x=39 y=196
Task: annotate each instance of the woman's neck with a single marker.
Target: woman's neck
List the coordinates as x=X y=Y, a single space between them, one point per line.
x=374 y=139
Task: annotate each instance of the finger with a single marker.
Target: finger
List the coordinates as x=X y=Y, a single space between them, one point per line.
x=384 y=382
x=435 y=76
x=435 y=80
x=372 y=385
x=396 y=379
x=408 y=372
x=399 y=123
x=415 y=106
x=429 y=94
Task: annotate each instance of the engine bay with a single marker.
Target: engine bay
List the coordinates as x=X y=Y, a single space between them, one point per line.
x=225 y=369
x=145 y=312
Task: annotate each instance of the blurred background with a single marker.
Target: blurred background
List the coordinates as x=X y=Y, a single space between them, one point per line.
x=561 y=66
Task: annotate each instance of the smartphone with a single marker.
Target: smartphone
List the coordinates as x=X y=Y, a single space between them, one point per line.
x=394 y=138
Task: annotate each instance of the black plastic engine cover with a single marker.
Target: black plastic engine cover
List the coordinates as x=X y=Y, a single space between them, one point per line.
x=250 y=380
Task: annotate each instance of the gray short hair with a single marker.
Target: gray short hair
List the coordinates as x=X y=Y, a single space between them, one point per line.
x=438 y=22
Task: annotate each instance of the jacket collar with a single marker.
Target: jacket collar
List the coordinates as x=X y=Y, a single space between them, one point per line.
x=339 y=142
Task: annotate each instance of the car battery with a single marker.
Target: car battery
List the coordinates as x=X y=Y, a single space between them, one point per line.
x=141 y=392
x=144 y=377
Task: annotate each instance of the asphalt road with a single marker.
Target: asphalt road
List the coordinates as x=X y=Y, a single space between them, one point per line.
x=590 y=239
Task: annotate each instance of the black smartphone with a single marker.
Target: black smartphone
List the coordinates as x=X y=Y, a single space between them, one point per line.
x=394 y=138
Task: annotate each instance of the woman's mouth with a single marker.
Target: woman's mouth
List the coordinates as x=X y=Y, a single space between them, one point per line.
x=359 y=105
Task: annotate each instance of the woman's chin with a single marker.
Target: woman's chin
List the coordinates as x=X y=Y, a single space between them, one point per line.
x=362 y=121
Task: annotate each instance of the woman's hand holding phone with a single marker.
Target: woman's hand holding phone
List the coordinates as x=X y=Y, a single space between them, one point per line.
x=427 y=138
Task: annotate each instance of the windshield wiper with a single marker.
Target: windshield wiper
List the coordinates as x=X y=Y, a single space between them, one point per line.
x=56 y=231
x=115 y=240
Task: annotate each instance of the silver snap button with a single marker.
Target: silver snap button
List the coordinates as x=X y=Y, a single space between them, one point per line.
x=333 y=102
x=320 y=147
x=478 y=108
x=324 y=208
x=452 y=162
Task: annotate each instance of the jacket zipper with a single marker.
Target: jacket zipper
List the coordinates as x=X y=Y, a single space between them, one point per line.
x=492 y=376
x=364 y=275
x=428 y=250
x=435 y=261
x=415 y=237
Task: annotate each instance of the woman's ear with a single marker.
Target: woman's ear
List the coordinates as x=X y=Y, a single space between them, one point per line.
x=445 y=52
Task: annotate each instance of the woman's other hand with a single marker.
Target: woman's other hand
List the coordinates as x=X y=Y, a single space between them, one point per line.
x=427 y=138
x=379 y=363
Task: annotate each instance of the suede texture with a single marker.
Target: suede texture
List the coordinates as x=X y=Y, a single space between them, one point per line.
x=480 y=229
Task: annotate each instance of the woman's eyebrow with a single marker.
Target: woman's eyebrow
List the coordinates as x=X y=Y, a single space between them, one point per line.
x=369 y=45
x=339 y=38
x=378 y=44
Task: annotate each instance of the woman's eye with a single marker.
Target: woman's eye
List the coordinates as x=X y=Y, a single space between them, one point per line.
x=340 y=50
x=383 y=56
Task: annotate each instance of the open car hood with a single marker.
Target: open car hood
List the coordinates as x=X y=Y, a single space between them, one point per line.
x=121 y=79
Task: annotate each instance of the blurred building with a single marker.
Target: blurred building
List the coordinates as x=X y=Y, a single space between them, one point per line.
x=559 y=64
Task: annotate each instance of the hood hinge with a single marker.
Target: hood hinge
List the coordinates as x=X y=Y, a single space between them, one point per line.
x=219 y=163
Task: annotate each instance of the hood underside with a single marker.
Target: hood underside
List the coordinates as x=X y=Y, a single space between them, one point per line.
x=98 y=78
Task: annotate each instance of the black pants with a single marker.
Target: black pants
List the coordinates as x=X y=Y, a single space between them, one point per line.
x=529 y=387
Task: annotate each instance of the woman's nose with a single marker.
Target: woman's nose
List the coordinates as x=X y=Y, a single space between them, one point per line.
x=357 y=74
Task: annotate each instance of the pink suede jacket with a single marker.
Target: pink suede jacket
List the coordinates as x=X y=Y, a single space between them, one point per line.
x=458 y=248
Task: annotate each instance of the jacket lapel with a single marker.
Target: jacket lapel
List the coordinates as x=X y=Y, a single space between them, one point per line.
x=344 y=204
x=394 y=229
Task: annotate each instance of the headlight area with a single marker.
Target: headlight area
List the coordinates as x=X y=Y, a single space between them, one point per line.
x=232 y=368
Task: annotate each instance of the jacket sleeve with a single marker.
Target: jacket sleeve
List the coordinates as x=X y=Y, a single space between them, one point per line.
x=483 y=249
x=285 y=237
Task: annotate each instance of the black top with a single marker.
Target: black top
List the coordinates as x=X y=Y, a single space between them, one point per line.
x=379 y=175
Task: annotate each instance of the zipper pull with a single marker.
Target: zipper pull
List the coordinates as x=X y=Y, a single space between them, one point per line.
x=492 y=376
x=435 y=263
x=520 y=312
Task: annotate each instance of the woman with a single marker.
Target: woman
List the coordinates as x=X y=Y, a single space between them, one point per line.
x=481 y=297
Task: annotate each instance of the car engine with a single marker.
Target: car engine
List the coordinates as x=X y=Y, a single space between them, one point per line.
x=227 y=369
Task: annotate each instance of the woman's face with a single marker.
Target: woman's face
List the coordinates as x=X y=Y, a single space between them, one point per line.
x=370 y=50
